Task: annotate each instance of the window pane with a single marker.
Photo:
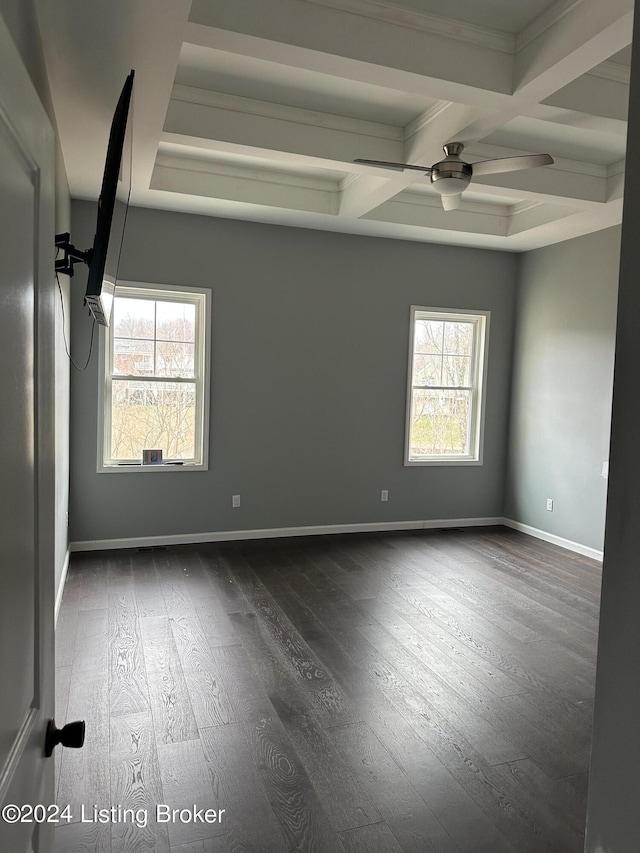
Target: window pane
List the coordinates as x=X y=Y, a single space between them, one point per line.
x=132 y=357
x=174 y=359
x=456 y=370
x=153 y=415
x=427 y=370
x=133 y=318
x=428 y=336
x=176 y=321
x=440 y=423
x=458 y=338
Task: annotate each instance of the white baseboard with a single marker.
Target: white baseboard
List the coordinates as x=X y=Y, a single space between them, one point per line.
x=275 y=532
x=60 y=590
x=555 y=540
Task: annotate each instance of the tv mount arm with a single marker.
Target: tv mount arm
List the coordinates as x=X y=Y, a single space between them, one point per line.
x=71 y=254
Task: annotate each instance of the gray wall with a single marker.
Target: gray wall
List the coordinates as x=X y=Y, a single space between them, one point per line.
x=309 y=364
x=21 y=20
x=562 y=381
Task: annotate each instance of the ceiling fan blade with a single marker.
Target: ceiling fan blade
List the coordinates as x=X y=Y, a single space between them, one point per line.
x=510 y=164
x=398 y=167
x=451 y=202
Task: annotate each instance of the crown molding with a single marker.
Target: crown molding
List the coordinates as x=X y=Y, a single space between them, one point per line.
x=394 y=13
x=349 y=179
x=283 y=112
x=612 y=71
x=419 y=122
x=544 y=21
x=524 y=206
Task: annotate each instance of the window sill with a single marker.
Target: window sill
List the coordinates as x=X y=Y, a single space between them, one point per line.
x=444 y=461
x=138 y=468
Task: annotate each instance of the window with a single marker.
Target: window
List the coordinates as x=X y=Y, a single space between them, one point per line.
x=446 y=387
x=155 y=365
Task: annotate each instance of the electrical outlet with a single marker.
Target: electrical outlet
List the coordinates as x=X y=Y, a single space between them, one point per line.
x=235 y=501
x=550 y=504
x=384 y=495
x=605 y=469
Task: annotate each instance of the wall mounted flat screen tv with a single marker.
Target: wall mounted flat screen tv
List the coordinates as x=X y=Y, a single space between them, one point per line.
x=104 y=258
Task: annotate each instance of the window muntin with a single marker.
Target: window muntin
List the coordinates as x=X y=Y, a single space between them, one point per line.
x=445 y=393
x=155 y=367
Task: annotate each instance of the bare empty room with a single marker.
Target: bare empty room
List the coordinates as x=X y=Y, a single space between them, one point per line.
x=319 y=500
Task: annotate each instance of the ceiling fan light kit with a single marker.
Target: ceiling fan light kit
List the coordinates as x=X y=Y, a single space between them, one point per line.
x=451 y=176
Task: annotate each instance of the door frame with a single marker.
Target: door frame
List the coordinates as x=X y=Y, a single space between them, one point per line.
x=23 y=114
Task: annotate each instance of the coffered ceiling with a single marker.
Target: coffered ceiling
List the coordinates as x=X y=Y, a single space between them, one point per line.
x=256 y=109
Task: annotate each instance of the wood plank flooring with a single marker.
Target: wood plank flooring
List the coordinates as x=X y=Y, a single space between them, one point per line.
x=421 y=692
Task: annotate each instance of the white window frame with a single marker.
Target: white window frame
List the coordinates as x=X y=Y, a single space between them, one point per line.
x=199 y=296
x=479 y=358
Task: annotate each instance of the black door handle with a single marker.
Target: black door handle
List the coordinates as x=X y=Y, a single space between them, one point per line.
x=70 y=735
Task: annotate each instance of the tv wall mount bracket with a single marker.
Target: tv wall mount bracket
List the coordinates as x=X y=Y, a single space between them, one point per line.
x=71 y=255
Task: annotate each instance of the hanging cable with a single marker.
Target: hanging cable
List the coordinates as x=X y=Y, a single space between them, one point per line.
x=64 y=335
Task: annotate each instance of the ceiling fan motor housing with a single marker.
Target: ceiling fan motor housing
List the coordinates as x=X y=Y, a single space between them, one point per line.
x=451 y=176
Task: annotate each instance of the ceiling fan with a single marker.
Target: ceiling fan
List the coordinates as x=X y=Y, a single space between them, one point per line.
x=451 y=176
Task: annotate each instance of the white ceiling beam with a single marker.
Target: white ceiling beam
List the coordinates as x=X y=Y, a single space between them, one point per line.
x=576 y=224
x=587 y=33
x=361 y=193
x=199 y=178
x=530 y=215
x=445 y=122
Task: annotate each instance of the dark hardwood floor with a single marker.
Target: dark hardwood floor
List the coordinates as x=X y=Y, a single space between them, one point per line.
x=421 y=692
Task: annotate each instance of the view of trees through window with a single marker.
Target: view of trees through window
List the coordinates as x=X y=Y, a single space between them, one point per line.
x=441 y=388
x=153 y=388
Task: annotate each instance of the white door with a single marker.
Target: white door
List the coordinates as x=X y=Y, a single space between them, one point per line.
x=27 y=497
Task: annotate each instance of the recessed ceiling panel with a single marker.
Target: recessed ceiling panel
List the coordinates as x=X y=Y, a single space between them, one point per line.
x=559 y=140
x=623 y=57
x=248 y=77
